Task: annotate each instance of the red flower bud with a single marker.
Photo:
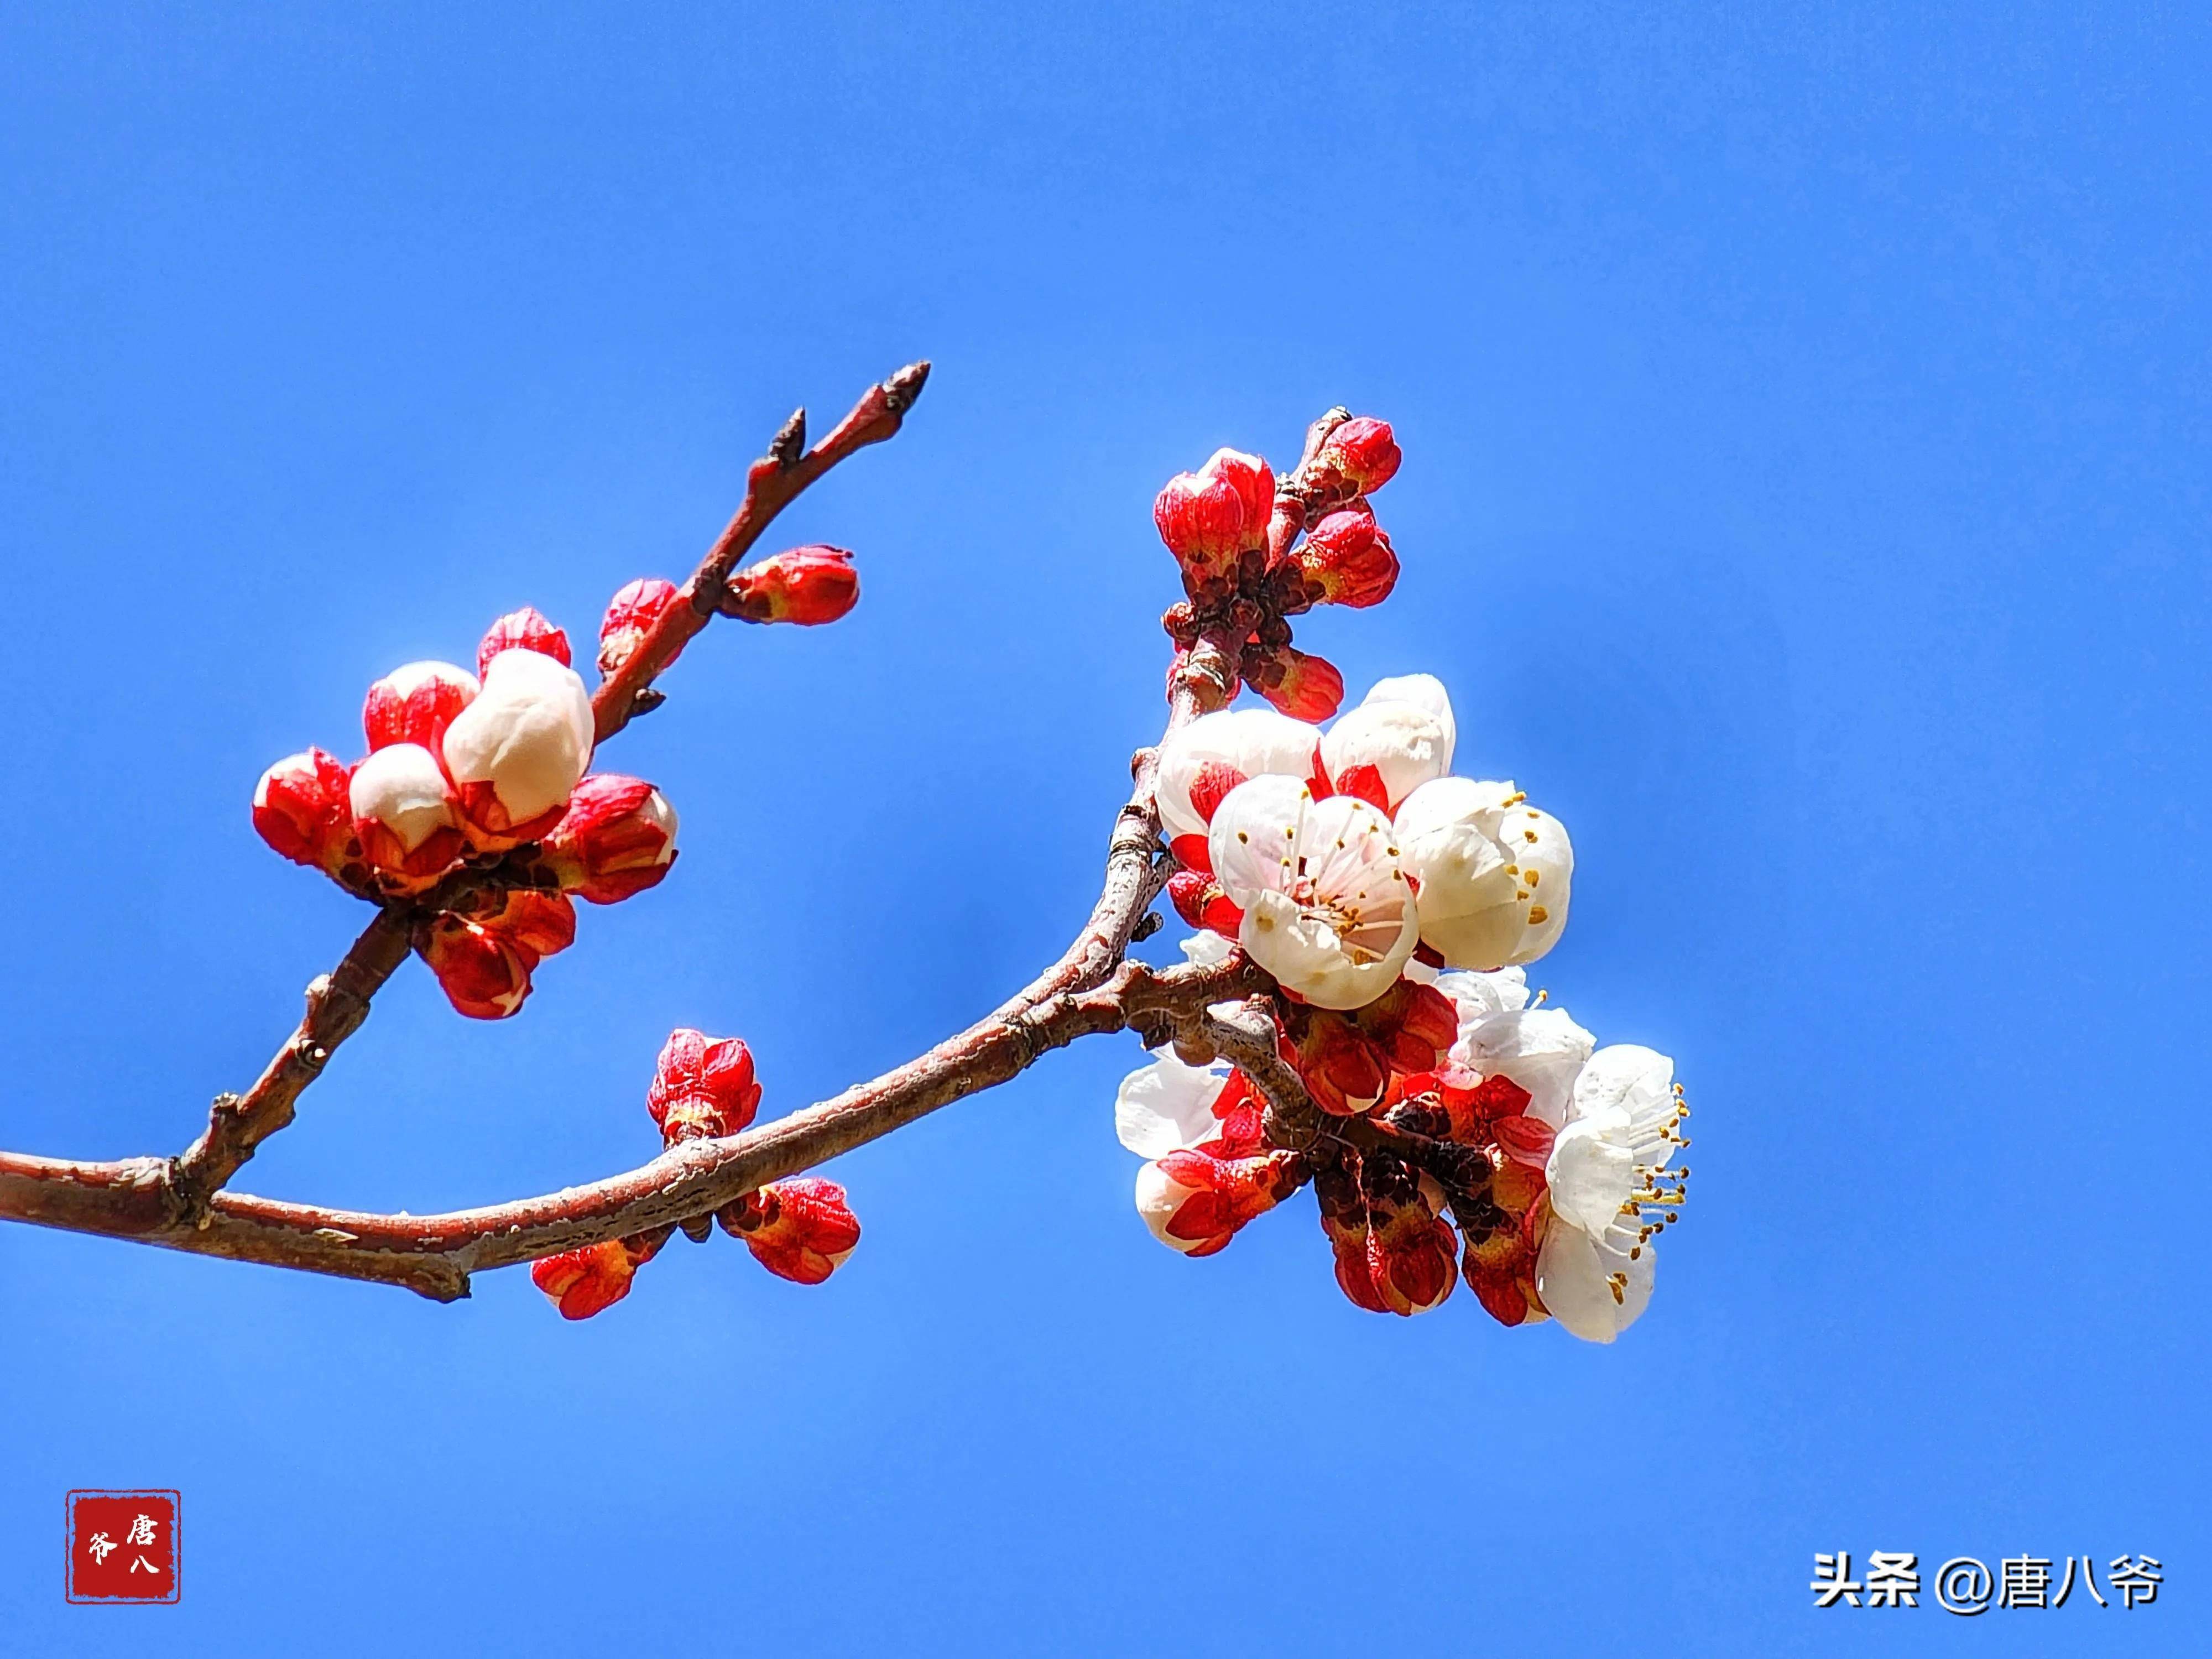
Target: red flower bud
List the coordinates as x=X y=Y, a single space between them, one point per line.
x=1449 y=1102
x=1412 y=1255
x=537 y=924
x=1344 y=1073
x=484 y=974
x=416 y=704
x=631 y=616
x=1364 y=450
x=527 y=630
x=701 y=1087
x=1207 y=518
x=301 y=808
x=800 y=1229
x=1199 y=900
x=1343 y=1218
x=1195 y=1202
x=1347 y=560
x=582 y=1283
x=1499 y=1263
x=806 y=585
x=617 y=837
x=1304 y=686
x=1413 y=1024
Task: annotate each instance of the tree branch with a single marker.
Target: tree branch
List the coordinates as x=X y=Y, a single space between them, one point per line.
x=339 y=1002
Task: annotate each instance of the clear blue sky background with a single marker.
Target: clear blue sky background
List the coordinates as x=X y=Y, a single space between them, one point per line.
x=1806 y=498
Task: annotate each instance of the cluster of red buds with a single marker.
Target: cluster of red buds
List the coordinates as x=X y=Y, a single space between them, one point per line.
x=1257 y=549
x=485 y=774
x=1462 y=1131
x=801 y=1230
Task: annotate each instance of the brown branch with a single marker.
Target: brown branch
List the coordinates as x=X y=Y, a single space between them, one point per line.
x=338 y=1003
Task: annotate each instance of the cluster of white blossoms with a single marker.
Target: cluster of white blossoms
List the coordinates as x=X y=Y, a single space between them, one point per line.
x=1338 y=852
x=1394 y=904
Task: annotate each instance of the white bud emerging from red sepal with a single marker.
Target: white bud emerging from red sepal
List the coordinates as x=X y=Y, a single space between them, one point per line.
x=702 y=1087
x=800 y=1229
x=636 y=607
x=416 y=704
x=1200 y=763
x=1195 y=1203
x=617 y=837
x=527 y=630
x=403 y=815
x=484 y=974
x=302 y=807
x=517 y=750
x=1384 y=749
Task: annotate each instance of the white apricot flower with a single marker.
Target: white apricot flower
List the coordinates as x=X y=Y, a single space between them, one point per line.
x=1328 y=910
x=1494 y=871
x=1202 y=762
x=1610 y=1174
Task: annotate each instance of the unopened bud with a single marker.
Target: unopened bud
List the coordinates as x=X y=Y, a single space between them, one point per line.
x=702 y=1087
x=416 y=704
x=527 y=630
x=1347 y=560
x=538 y=924
x=520 y=748
x=1345 y=1072
x=1363 y=451
x=800 y=1229
x=617 y=837
x=590 y=1280
x=403 y=816
x=1195 y=1202
x=808 y=586
x=1302 y=685
x=1210 y=517
x=302 y=808
x=636 y=607
x=1412 y=1255
x=484 y=974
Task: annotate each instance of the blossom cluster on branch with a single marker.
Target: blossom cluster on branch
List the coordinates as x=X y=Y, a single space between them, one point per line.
x=1394 y=903
x=1354 y=1017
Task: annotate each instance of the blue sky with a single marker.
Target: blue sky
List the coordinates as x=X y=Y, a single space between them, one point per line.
x=1806 y=498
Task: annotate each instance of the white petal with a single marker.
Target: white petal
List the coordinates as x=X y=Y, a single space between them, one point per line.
x=401 y=787
x=1168 y=1106
x=1477 y=996
x=1592 y=1172
x=1483 y=939
x=1404 y=742
x=1629 y=1079
x=528 y=733
x=1204 y=950
x=1425 y=692
x=1572 y=1273
x=1254 y=831
x=1256 y=742
x=1541 y=1049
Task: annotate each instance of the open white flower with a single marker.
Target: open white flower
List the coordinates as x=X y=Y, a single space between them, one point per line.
x=1328 y=910
x=1494 y=871
x=1202 y=762
x=1168 y=1106
x=1613 y=1189
x=1539 y=1049
x=1392 y=744
x=527 y=736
